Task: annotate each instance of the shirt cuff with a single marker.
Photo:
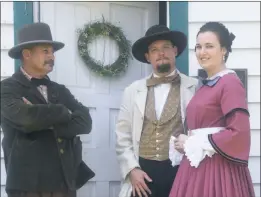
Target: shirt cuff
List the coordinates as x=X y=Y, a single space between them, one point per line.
x=174 y=156
x=197 y=147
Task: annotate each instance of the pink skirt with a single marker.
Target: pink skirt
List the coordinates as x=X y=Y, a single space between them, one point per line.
x=214 y=177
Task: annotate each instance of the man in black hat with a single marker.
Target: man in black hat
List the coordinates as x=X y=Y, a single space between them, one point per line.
x=41 y=121
x=152 y=114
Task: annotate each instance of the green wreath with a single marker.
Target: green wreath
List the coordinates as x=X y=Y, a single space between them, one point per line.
x=89 y=33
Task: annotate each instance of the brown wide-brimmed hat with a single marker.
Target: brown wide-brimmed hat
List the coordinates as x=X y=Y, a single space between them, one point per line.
x=158 y=32
x=31 y=34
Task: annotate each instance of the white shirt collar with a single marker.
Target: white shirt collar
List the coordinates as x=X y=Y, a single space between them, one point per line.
x=222 y=73
x=29 y=77
x=171 y=74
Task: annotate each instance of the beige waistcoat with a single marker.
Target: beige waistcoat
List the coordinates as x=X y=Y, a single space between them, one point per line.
x=154 y=142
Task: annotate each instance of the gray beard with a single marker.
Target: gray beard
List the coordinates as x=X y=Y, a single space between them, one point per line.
x=163 y=68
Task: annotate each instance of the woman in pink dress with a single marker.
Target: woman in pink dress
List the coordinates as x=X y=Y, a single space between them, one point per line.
x=216 y=150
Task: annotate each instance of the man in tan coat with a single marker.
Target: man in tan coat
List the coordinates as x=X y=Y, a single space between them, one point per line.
x=153 y=110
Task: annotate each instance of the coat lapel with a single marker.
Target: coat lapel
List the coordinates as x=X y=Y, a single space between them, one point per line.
x=141 y=97
x=20 y=78
x=187 y=91
x=141 y=100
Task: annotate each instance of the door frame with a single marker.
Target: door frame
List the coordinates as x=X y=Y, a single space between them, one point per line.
x=177 y=19
x=23 y=14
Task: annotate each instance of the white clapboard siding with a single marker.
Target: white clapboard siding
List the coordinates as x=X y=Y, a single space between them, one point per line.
x=7 y=38
x=239 y=58
x=247 y=37
x=224 y=11
x=3 y=172
x=7 y=64
x=244 y=22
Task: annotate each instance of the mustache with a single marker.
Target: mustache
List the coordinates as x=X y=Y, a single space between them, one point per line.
x=162 y=59
x=50 y=62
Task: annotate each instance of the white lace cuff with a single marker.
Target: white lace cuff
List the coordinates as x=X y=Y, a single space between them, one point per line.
x=174 y=156
x=197 y=147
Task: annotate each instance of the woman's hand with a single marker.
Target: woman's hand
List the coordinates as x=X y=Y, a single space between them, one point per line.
x=179 y=143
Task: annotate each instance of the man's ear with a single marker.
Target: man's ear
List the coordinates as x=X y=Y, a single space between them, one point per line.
x=147 y=57
x=175 y=49
x=26 y=53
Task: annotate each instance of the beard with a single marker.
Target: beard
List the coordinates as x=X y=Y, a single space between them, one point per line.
x=163 y=68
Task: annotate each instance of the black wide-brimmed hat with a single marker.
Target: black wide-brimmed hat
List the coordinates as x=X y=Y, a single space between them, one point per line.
x=31 y=34
x=158 y=32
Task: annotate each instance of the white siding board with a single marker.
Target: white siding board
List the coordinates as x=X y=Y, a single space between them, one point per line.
x=224 y=11
x=7 y=39
x=7 y=13
x=7 y=64
x=257 y=190
x=246 y=37
x=3 y=193
x=2 y=153
x=253 y=89
x=245 y=58
x=239 y=58
x=254 y=168
x=254 y=110
x=255 y=143
x=7 y=36
x=3 y=172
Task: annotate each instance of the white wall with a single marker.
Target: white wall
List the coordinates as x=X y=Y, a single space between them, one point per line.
x=243 y=19
x=7 y=64
x=7 y=38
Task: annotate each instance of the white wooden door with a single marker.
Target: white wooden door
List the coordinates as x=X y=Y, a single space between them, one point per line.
x=102 y=96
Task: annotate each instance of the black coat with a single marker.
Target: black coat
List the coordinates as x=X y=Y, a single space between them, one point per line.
x=42 y=151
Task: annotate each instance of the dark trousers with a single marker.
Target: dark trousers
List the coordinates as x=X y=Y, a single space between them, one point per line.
x=41 y=194
x=162 y=174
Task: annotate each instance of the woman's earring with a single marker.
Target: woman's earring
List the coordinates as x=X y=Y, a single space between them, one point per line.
x=224 y=58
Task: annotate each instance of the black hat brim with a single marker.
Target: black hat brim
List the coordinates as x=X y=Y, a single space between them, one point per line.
x=16 y=51
x=140 y=47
